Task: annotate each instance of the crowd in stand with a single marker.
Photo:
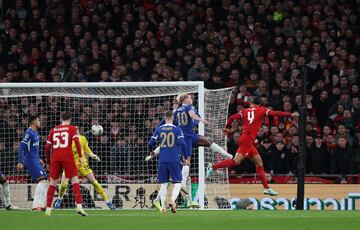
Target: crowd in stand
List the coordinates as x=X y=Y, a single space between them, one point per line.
x=259 y=47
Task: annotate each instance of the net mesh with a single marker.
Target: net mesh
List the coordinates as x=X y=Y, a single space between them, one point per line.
x=129 y=116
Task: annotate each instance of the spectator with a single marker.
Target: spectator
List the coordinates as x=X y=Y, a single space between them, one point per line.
x=340 y=160
x=280 y=159
x=341 y=132
x=320 y=158
x=266 y=153
x=194 y=73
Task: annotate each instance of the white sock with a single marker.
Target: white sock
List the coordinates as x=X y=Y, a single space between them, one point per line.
x=163 y=193
x=6 y=192
x=44 y=184
x=37 y=196
x=216 y=148
x=188 y=187
x=175 y=192
x=185 y=174
x=157 y=151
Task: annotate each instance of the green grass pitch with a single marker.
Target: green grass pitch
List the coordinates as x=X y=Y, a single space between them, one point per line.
x=208 y=220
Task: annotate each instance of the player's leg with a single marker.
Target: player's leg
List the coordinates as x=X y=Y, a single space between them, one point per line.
x=63 y=186
x=99 y=189
x=71 y=172
x=62 y=190
x=6 y=193
x=261 y=174
x=38 y=175
x=163 y=179
x=185 y=171
x=245 y=147
x=207 y=142
x=40 y=194
x=157 y=198
x=228 y=163
x=176 y=178
x=55 y=170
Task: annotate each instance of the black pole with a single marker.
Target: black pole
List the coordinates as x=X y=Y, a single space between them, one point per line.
x=302 y=144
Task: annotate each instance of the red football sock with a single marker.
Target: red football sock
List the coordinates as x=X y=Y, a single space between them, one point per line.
x=77 y=193
x=50 y=195
x=228 y=163
x=261 y=175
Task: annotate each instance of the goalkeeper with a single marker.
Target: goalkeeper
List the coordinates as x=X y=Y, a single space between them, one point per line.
x=84 y=171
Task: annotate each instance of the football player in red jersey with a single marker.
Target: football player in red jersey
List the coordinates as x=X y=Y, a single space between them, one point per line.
x=60 y=141
x=252 y=120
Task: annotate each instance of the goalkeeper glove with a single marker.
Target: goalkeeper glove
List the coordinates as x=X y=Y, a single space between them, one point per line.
x=95 y=157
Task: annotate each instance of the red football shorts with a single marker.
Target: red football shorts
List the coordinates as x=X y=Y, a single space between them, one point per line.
x=246 y=146
x=57 y=167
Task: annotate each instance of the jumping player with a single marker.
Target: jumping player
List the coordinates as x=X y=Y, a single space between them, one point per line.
x=171 y=140
x=60 y=141
x=29 y=157
x=84 y=171
x=186 y=118
x=252 y=119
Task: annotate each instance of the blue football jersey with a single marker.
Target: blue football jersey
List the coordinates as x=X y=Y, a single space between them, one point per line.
x=183 y=119
x=29 y=147
x=171 y=142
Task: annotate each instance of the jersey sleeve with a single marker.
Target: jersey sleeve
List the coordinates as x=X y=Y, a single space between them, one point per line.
x=85 y=145
x=49 y=139
x=269 y=112
x=25 y=142
x=236 y=116
x=189 y=108
x=153 y=139
x=76 y=139
x=48 y=146
x=181 y=141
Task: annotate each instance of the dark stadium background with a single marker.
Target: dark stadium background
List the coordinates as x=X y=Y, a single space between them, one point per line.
x=258 y=47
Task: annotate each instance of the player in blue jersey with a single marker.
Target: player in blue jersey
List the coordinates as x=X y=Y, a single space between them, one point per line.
x=172 y=146
x=186 y=118
x=29 y=157
x=6 y=193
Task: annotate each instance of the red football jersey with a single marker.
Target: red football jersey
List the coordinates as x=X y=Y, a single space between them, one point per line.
x=61 y=138
x=252 y=120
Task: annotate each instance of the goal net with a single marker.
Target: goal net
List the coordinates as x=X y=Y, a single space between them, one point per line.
x=129 y=112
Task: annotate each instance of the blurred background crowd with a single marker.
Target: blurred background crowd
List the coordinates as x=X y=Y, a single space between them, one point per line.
x=260 y=47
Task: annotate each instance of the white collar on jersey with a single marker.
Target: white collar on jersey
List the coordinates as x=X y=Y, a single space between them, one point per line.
x=168 y=125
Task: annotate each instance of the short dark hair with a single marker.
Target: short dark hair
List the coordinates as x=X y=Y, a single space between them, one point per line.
x=65 y=116
x=256 y=100
x=32 y=118
x=169 y=114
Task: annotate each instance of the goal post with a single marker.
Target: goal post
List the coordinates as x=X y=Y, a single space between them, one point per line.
x=129 y=112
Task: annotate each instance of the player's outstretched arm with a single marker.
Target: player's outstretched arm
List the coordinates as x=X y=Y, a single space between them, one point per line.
x=89 y=152
x=181 y=142
x=232 y=118
x=281 y=113
x=194 y=116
